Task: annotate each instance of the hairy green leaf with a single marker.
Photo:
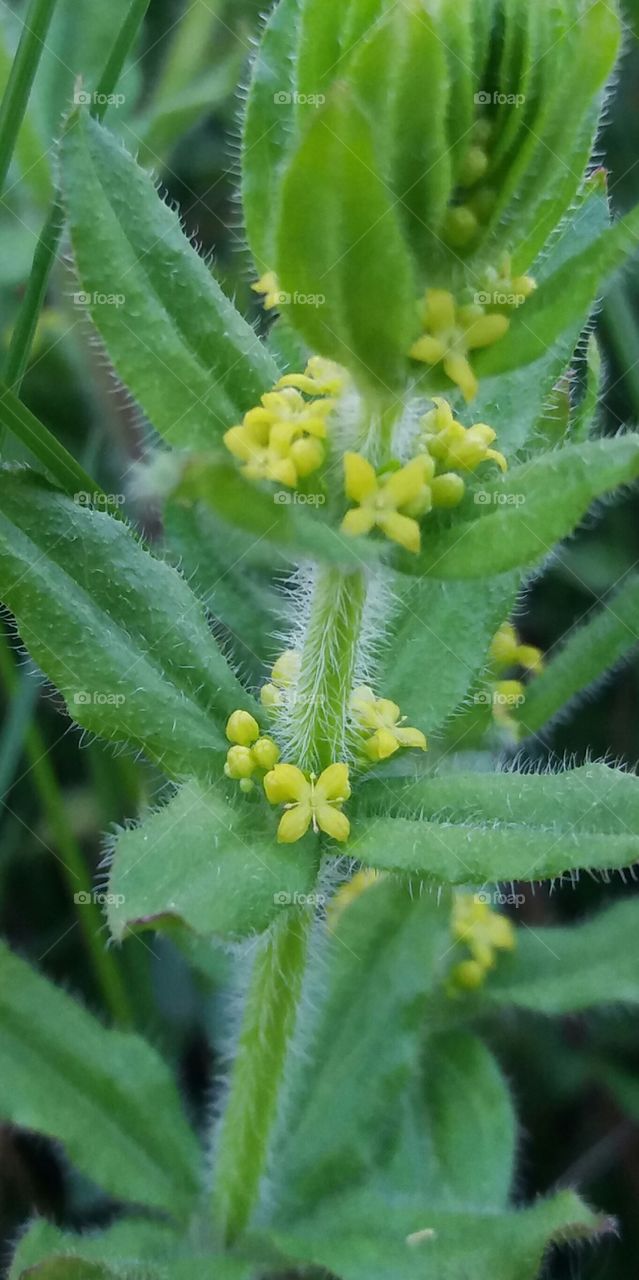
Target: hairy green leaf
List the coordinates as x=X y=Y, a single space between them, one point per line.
x=191 y=361
x=117 y=631
x=65 y=1075
x=200 y=862
x=481 y=828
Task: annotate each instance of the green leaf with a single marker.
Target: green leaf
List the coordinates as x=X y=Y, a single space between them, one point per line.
x=269 y=131
x=118 y=632
x=383 y=962
x=429 y=662
x=558 y=970
x=125 y=1241
x=200 y=862
x=340 y=244
x=65 y=1075
x=593 y=649
x=474 y=1144
x=191 y=361
x=483 y=828
x=518 y=519
x=362 y=1236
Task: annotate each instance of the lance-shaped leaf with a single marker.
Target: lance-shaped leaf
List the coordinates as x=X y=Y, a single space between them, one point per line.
x=118 y=632
x=133 y=1249
x=386 y=956
x=362 y=1235
x=200 y=862
x=63 y=1074
x=611 y=635
x=191 y=361
x=518 y=518
x=476 y=828
x=341 y=255
x=557 y=970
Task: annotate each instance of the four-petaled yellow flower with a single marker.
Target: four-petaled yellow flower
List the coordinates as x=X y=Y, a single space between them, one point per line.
x=309 y=800
x=484 y=932
x=268 y=286
x=452 y=332
x=506 y=289
x=382 y=498
x=384 y=718
x=281 y=439
x=453 y=445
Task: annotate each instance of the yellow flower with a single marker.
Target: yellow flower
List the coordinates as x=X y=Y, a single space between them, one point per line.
x=320 y=378
x=269 y=287
x=381 y=498
x=452 y=332
x=507 y=650
x=283 y=676
x=309 y=800
x=453 y=445
x=280 y=440
x=385 y=719
x=481 y=929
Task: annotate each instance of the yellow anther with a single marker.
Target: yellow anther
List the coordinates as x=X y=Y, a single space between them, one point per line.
x=452 y=332
x=239 y=763
x=383 y=500
x=268 y=287
x=384 y=718
x=242 y=729
x=309 y=800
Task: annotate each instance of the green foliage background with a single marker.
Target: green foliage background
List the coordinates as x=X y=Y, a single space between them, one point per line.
x=576 y=1079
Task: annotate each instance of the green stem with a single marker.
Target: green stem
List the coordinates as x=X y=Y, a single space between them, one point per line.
x=47 y=247
x=76 y=873
x=25 y=64
x=251 y=1108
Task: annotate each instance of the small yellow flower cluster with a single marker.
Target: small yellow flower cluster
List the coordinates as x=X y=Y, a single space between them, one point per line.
x=249 y=753
x=390 y=501
x=309 y=800
x=283 y=676
x=451 y=332
x=506 y=289
x=383 y=720
x=456 y=447
x=463 y=220
x=484 y=932
x=320 y=378
x=507 y=651
x=268 y=287
x=281 y=439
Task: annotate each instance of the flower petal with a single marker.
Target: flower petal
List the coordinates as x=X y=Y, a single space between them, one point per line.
x=333 y=822
x=401 y=529
x=333 y=784
x=360 y=480
x=294 y=824
x=285 y=783
x=412 y=738
x=357 y=522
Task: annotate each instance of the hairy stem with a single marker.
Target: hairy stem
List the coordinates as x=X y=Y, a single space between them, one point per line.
x=269 y=1019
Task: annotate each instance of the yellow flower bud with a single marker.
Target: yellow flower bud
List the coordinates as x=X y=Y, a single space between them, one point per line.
x=239 y=763
x=242 y=729
x=448 y=490
x=461 y=226
x=266 y=753
x=270 y=696
x=307 y=455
